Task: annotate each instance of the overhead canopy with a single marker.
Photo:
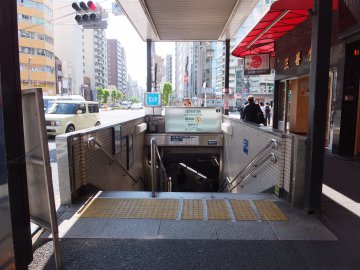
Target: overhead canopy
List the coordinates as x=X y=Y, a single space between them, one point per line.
x=283 y=16
x=187 y=20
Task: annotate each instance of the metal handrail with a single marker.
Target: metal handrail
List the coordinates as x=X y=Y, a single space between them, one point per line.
x=92 y=142
x=272 y=143
x=271 y=157
x=153 y=166
x=155 y=152
x=161 y=164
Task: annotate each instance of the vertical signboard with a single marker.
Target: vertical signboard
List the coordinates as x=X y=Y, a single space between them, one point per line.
x=38 y=168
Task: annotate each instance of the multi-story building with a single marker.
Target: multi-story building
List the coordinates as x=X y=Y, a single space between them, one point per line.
x=220 y=72
x=182 y=69
x=117 y=67
x=66 y=87
x=158 y=71
x=134 y=89
x=194 y=68
x=58 y=75
x=36 y=45
x=168 y=68
x=95 y=57
x=69 y=47
x=123 y=70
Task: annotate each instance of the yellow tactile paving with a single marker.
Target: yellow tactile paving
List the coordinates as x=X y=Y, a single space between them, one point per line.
x=168 y=209
x=268 y=210
x=242 y=210
x=131 y=208
x=192 y=210
x=217 y=210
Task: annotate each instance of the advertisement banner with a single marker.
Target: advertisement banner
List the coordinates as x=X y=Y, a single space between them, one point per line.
x=257 y=64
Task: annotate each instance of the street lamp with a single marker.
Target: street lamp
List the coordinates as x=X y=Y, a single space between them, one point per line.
x=29 y=61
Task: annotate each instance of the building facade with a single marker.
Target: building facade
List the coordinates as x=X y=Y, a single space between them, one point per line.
x=168 y=68
x=182 y=69
x=159 y=72
x=36 y=45
x=95 y=57
x=117 y=67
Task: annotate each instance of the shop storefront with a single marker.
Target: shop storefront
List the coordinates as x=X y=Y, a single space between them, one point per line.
x=291 y=46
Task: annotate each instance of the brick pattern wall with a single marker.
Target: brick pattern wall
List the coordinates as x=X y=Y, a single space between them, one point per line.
x=235 y=159
x=93 y=166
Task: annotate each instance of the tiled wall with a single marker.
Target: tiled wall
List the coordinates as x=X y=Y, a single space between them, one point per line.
x=87 y=166
x=91 y=166
x=280 y=174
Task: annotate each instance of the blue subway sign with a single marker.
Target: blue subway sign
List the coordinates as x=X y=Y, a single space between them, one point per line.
x=153 y=99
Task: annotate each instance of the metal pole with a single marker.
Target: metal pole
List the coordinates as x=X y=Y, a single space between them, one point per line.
x=155 y=77
x=227 y=66
x=318 y=96
x=169 y=185
x=153 y=166
x=148 y=64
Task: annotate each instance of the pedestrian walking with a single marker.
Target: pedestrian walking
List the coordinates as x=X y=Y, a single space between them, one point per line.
x=267 y=113
x=252 y=112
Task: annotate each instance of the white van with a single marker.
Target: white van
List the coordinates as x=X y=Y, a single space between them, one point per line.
x=49 y=99
x=64 y=116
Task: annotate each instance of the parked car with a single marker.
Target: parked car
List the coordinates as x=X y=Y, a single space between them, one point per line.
x=125 y=105
x=64 y=116
x=49 y=99
x=137 y=106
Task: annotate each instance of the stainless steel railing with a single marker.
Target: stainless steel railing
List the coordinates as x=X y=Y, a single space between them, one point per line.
x=272 y=143
x=270 y=157
x=93 y=143
x=156 y=154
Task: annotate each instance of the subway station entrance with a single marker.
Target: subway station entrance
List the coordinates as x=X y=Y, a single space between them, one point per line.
x=144 y=194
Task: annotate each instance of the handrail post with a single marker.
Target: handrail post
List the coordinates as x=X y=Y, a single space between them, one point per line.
x=153 y=166
x=169 y=185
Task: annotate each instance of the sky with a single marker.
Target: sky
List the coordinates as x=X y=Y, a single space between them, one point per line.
x=121 y=29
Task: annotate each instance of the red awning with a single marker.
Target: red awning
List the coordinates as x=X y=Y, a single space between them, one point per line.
x=283 y=16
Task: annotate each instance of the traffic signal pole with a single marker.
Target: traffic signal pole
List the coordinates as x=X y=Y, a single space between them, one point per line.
x=148 y=64
x=227 y=67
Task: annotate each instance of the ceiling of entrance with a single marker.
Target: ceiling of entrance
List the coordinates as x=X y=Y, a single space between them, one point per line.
x=186 y=20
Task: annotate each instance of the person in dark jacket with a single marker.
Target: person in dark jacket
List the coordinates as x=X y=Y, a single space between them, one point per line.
x=252 y=112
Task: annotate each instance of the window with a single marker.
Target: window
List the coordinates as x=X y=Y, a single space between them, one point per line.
x=93 y=108
x=82 y=107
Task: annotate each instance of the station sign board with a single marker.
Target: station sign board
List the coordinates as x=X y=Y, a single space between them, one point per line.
x=193 y=119
x=152 y=99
